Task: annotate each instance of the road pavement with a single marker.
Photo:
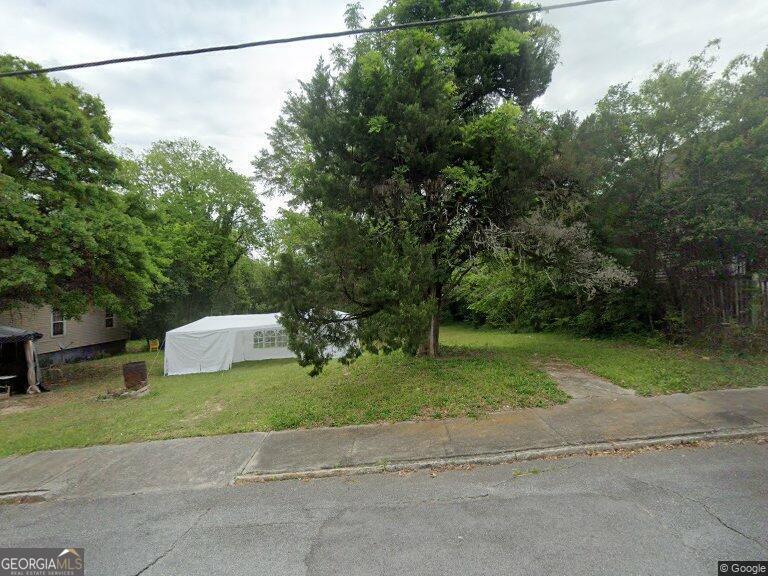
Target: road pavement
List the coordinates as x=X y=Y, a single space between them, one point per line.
x=671 y=511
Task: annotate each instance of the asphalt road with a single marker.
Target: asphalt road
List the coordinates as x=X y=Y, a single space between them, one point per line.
x=675 y=511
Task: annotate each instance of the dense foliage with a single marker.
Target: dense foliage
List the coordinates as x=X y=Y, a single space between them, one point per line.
x=206 y=220
x=414 y=156
x=161 y=239
x=676 y=177
x=66 y=236
x=422 y=183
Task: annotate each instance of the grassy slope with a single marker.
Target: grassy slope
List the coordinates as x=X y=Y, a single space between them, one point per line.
x=482 y=370
x=649 y=370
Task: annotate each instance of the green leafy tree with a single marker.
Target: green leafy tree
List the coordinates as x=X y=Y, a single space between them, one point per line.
x=494 y=59
x=414 y=154
x=673 y=177
x=555 y=277
x=208 y=220
x=680 y=187
x=67 y=237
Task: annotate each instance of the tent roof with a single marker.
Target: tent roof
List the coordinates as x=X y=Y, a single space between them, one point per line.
x=233 y=322
x=11 y=334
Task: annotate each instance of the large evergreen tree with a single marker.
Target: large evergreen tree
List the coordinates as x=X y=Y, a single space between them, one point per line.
x=407 y=151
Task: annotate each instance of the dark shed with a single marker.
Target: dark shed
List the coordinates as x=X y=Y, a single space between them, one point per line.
x=9 y=334
x=17 y=357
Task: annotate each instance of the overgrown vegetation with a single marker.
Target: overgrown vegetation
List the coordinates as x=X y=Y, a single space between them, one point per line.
x=67 y=237
x=423 y=184
x=206 y=221
x=674 y=182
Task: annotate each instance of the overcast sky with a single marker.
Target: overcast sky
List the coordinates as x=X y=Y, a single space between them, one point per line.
x=230 y=100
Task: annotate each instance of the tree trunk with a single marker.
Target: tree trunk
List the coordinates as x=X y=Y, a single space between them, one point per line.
x=431 y=346
x=433 y=339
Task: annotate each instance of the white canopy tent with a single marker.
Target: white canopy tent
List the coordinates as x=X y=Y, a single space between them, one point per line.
x=214 y=343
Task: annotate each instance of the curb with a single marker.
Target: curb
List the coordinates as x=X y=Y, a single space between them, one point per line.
x=506 y=457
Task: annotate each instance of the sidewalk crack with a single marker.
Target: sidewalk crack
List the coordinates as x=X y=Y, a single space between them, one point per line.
x=548 y=426
x=255 y=454
x=450 y=441
x=94 y=452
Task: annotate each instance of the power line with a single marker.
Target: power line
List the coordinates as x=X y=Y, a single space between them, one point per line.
x=353 y=32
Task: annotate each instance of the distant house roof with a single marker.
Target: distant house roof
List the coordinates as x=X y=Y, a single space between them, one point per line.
x=10 y=334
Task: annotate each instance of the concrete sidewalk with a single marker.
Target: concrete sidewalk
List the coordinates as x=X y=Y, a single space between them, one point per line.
x=163 y=465
x=604 y=418
x=583 y=424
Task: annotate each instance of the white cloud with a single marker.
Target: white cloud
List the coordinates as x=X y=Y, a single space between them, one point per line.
x=620 y=41
x=230 y=100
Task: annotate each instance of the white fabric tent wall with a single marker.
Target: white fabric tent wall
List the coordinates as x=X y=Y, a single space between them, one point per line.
x=214 y=343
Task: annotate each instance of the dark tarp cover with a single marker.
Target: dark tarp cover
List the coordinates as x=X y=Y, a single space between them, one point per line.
x=8 y=334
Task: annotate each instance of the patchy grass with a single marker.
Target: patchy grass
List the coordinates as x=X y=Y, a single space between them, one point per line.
x=270 y=395
x=650 y=369
x=481 y=370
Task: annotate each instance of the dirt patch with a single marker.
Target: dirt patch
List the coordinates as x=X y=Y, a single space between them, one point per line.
x=21 y=499
x=15 y=408
x=56 y=394
x=208 y=409
x=432 y=413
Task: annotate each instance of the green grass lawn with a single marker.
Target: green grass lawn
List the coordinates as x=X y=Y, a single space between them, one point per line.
x=481 y=370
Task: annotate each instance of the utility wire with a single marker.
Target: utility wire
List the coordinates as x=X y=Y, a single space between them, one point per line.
x=353 y=32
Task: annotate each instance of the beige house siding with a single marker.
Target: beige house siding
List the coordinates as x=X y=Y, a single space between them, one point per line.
x=87 y=330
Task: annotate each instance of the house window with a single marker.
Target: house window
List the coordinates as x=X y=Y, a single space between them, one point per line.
x=109 y=319
x=58 y=324
x=258 y=339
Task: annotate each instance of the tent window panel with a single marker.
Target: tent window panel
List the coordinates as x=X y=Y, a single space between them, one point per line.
x=270 y=339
